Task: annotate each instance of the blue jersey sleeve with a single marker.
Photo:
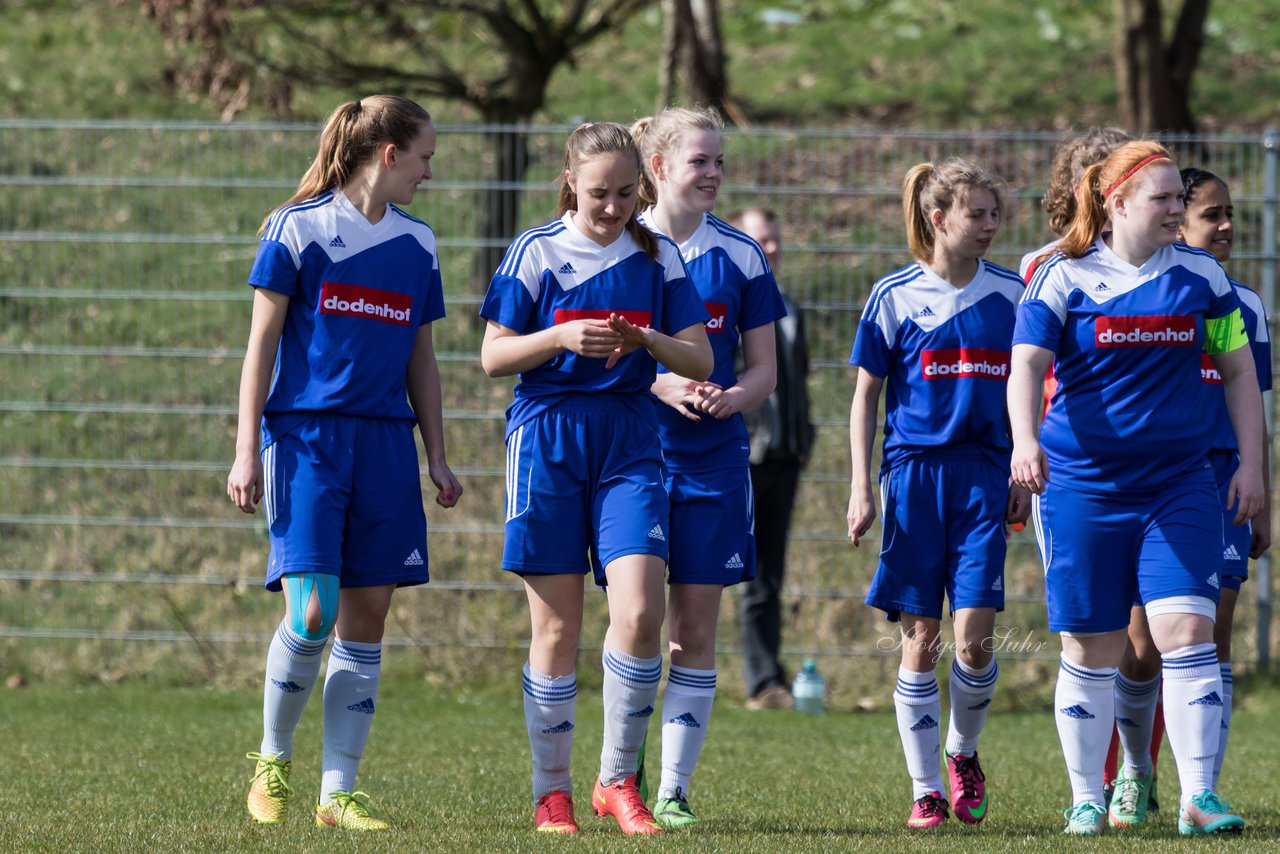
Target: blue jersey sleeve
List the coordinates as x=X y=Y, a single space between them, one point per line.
x=508 y=302
x=1037 y=324
x=275 y=268
x=870 y=351
x=761 y=302
x=433 y=306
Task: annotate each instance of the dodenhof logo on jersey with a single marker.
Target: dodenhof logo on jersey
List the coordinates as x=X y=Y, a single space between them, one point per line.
x=718 y=311
x=1146 y=330
x=637 y=318
x=359 y=301
x=1209 y=373
x=965 y=362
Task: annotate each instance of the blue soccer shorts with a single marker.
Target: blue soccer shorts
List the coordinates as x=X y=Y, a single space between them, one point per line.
x=343 y=497
x=712 y=527
x=1236 y=539
x=943 y=533
x=1104 y=553
x=584 y=488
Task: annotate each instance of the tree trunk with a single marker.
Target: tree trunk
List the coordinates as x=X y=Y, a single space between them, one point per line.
x=1154 y=80
x=500 y=203
x=692 y=66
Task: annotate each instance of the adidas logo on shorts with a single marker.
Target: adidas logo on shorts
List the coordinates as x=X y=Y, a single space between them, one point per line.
x=734 y=562
x=365 y=707
x=414 y=559
x=1212 y=581
x=567 y=270
x=1078 y=712
x=998 y=584
x=1230 y=553
x=655 y=533
x=337 y=243
x=686 y=720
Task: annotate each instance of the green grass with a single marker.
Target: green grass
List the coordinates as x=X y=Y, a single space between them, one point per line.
x=136 y=768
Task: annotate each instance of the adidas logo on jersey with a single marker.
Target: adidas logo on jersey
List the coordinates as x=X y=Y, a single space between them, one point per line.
x=926 y=722
x=1230 y=553
x=655 y=533
x=1078 y=712
x=364 y=707
x=1213 y=582
x=337 y=243
x=924 y=312
x=1210 y=699
x=641 y=713
x=414 y=559
x=998 y=584
x=566 y=269
x=1101 y=288
x=562 y=727
x=289 y=687
x=734 y=562
x=686 y=720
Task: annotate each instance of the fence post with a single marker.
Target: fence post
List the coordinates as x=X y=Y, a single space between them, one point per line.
x=1270 y=153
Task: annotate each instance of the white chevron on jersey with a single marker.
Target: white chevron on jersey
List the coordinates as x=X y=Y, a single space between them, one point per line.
x=562 y=250
x=331 y=222
x=715 y=233
x=930 y=300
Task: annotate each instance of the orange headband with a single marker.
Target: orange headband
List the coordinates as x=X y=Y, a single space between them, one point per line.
x=1126 y=176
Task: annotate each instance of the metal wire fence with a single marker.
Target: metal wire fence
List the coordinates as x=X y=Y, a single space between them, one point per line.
x=124 y=247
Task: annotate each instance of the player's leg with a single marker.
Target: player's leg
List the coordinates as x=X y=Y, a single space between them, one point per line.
x=972 y=686
x=918 y=708
x=1137 y=698
x=1222 y=628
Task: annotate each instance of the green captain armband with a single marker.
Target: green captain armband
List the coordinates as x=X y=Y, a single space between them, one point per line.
x=1224 y=334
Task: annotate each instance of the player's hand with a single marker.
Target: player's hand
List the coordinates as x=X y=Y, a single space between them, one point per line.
x=633 y=338
x=244 y=483
x=448 y=487
x=715 y=400
x=1018 y=508
x=1261 y=539
x=1246 y=489
x=680 y=393
x=1029 y=467
x=862 y=512
x=594 y=339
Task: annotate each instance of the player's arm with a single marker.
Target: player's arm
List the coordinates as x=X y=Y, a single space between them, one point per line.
x=1029 y=364
x=687 y=352
x=1244 y=405
x=758 y=379
x=244 y=483
x=863 y=415
x=422 y=379
x=505 y=351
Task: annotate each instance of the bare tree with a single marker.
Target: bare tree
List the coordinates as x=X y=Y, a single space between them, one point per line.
x=692 y=67
x=496 y=55
x=1154 y=77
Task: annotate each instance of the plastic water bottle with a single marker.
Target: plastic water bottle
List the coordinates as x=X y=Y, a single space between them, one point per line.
x=810 y=690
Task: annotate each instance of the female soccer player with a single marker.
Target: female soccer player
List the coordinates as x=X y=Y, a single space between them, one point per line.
x=1126 y=502
x=584 y=308
x=346 y=288
x=937 y=334
x=704 y=439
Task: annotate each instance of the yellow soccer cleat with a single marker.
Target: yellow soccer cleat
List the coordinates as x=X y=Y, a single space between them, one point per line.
x=269 y=790
x=348 y=810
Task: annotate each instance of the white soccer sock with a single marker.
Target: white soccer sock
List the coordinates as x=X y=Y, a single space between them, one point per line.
x=971 y=692
x=1135 y=718
x=293 y=665
x=630 y=689
x=1193 y=714
x=1225 y=668
x=919 y=709
x=548 y=715
x=686 y=709
x=350 y=697
x=1085 y=709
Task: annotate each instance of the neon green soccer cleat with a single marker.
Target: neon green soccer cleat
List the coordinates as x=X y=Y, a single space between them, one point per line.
x=350 y=811
x=1207 y=813
x=1085 y=819
x=1129 y=803
x=674 y=813
x=269 y=790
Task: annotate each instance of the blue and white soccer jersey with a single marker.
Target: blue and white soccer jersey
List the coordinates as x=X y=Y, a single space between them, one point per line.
x=1127 y=467
x=1223 y=448
x=944 y=355
x=358 y=294
x=713 y=540
x=611 y=471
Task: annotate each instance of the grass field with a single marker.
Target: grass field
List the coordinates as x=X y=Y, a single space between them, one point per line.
x=133 y=768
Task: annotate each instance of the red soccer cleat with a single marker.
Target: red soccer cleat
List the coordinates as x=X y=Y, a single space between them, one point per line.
x=555 y=814
x=622 y=801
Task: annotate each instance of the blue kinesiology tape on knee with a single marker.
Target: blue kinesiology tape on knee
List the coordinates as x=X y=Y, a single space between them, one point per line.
x=299 y=588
